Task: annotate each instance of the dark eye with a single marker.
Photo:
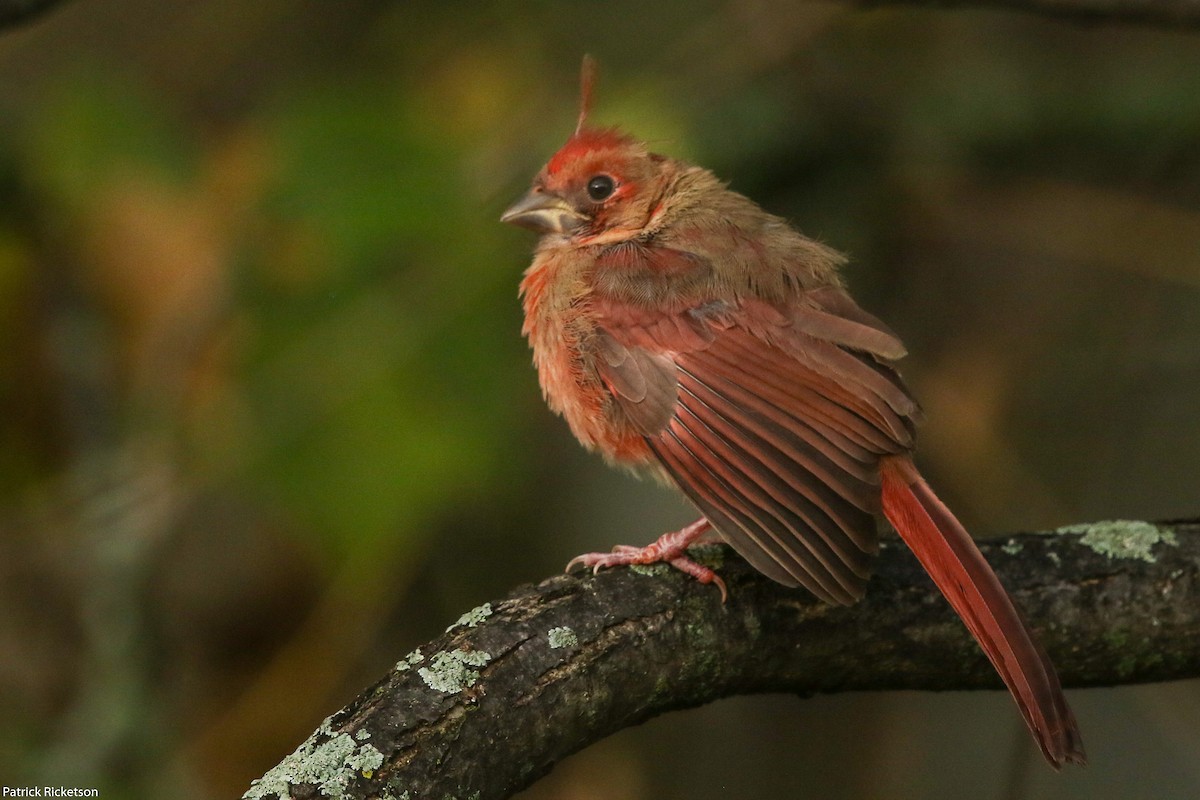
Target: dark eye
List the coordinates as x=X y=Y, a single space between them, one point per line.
x=600 y=187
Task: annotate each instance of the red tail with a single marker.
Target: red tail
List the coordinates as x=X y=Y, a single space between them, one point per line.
x=951 y=558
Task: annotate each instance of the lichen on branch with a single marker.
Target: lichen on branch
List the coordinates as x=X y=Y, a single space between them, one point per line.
x=514 y=686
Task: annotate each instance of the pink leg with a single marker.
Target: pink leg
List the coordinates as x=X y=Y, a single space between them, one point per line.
x=670 y=547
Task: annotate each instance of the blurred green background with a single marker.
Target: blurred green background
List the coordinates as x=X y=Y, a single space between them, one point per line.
x=267 y=421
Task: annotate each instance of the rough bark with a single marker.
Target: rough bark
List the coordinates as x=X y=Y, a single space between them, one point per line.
x=516 y=685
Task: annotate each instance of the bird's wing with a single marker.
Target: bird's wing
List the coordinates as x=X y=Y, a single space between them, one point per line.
x=771 y=420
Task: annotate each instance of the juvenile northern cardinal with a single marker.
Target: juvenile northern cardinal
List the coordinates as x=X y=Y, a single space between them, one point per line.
x=686 y=333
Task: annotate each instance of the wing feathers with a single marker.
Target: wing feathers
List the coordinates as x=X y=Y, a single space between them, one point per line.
x=731 y=514
x=881 y=429
x=801 y=506
x=776 y=452
x=788 y=412
x=772 y=422
x=771 y=521
x=848 y=333
x=842 y=321
x=850 y=368
x=643 y=381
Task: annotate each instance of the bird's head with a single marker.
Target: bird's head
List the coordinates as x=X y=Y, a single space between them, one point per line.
x=601 y=186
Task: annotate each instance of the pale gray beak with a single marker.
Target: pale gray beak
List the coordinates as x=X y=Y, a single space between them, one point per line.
x=544 y=213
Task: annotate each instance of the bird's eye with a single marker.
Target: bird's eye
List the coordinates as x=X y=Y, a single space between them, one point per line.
x=600 y=187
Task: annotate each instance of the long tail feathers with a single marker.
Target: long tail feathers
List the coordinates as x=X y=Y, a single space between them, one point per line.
x=949 y=555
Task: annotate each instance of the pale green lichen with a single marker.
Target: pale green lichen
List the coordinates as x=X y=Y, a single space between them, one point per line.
x=366 y=759
x=1012 y=547
x=706 y=555
x=650 y=569
x=451 y=670
x=362 y=734
x=410 y=660
x=326 y=760
x=473 y=617
x=1054 y=558
x=1121 y=538
x=562 y=637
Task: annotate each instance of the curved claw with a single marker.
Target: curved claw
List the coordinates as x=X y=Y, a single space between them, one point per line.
x=701 y=573
x=597 y=561
x=585 y=559
x=670 y=547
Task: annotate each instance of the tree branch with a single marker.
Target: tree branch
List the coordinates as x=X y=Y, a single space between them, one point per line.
x=514 y=686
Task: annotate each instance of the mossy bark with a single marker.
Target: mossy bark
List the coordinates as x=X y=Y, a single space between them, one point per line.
x=557 y=666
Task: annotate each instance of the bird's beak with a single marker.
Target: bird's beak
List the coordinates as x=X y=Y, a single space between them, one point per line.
x=544 y=213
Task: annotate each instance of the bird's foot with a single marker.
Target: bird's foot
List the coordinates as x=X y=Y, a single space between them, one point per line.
x=670 y=547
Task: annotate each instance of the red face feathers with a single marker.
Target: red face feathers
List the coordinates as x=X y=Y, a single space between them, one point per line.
x=601 y=180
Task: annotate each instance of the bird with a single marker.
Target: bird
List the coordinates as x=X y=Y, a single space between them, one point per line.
x=690 y=336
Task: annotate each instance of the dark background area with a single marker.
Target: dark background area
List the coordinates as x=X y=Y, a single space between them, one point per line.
x=267 y=422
